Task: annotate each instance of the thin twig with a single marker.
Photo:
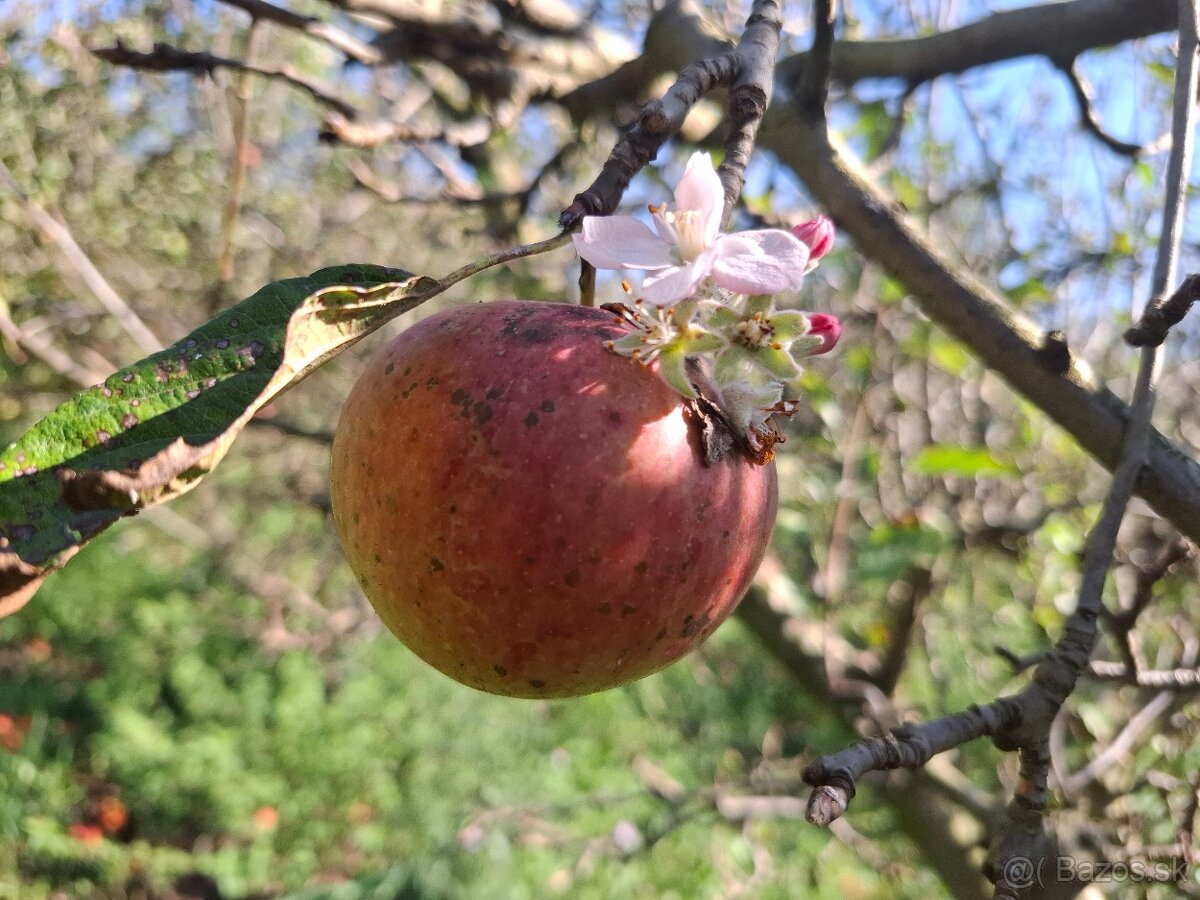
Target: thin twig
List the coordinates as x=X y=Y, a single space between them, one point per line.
x=833 y=777
x=84 y=267
x=553 y=243
x=1022 y=722
x=345 y=130
x=1123 y=743
x=660 y=120
x=1178 y=680
x=1087 y=113
x=1055 y=677
x=335 y=37
x=238 y=165
x=37 y=345
x=748 y=70
x=165 y=58
x=1160 y=315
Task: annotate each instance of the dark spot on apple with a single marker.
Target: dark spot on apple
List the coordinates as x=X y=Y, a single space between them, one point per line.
x=628 y=609
x=355 y=517
x=531 y=420
x=661 y=634
x=513 y=322
x=500 y=670
x=389 y=368
x=435 y=564
x=693 y=627
x=548 y=406
x=605 y=609
x=494 y=393
x=537 y=683
x=725 y=534
x=481 y=411
x=641 y=567
x=453 y=509
x=459 y=396
x=571 y=578
x=615 y=417
x=529 y=560
x=407 y=369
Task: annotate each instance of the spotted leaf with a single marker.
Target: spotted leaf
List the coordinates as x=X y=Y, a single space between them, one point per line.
x=151 y=431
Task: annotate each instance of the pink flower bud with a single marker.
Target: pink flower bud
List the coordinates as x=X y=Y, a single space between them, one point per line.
x=817 y=235
x=827 y=328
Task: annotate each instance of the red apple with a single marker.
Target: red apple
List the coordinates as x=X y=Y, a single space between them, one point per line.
x=531 y=513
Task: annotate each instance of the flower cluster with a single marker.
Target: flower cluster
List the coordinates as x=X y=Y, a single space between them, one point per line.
x=706 y=312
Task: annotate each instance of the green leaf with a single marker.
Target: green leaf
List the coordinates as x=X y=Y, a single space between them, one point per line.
x=151 y=431
x=893 y=548
x=967 y=462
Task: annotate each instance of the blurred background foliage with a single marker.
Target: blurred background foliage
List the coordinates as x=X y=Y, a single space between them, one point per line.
x=202 y=703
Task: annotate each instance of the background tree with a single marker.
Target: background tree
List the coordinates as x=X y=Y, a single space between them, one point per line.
x=201 y=701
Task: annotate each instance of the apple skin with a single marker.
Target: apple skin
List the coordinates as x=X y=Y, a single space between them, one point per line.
x=531 y=513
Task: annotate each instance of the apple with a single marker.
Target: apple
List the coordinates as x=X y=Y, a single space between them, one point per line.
x=531 y=513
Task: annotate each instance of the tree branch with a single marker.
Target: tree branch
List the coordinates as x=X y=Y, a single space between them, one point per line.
x=165 y=58
x=1161 y=315
x=330 y=34
x=750 y=96
x=1053 y=30
x=979 y=318
x=1087 y=114
x=658 y=123
x=129 y=320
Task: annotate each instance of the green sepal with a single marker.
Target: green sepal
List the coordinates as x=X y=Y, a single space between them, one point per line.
x=672 y=365
x=778 y=362
x=789 y=325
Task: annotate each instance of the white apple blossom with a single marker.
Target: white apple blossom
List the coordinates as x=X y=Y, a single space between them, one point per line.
x=689 y=248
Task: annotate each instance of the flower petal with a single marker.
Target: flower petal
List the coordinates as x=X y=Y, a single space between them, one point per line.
x=760 y=262
x=665 y=287
x=700 y=190
x=621 y=242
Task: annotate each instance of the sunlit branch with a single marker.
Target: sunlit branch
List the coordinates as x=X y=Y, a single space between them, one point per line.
x=323 y=31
